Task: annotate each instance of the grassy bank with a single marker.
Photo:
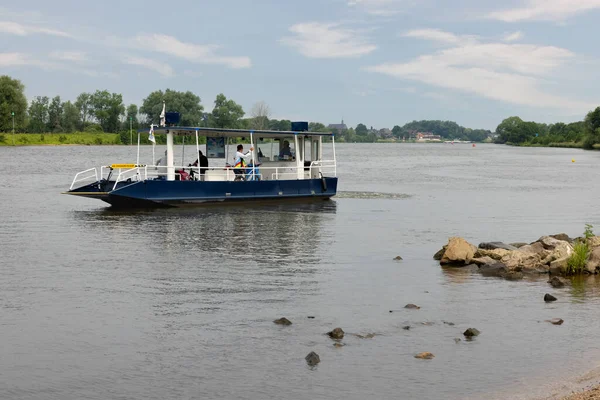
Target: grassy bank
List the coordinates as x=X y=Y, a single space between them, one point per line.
x=568 y=145
x=55 y=139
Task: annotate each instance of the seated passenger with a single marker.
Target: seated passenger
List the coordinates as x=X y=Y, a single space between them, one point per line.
x=239 y=168
x=285 y=150
x=203 y=164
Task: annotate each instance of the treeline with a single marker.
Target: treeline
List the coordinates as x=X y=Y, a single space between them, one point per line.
x=586 y=133
x=103 y=111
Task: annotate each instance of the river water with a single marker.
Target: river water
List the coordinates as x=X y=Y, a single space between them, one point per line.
x=179 y=304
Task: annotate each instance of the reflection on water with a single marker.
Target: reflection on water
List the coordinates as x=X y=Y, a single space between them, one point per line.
x=371 y=195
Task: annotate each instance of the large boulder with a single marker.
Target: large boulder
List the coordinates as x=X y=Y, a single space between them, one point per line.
x=593 y=263
x=495 y=268
x=562 y=236
x=458 y=251
x=593 y=242
x=519 y=244
x=560 y=251
x=522 y=261
x=482 y=260
x=495 y=254
x=496 y=245
x=535 y=248
x=549 y=242
x=559 y=267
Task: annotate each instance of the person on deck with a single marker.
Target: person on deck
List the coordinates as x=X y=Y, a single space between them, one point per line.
x=161 y=166
x=203 y=164
x=240 y=162
x=285 y=150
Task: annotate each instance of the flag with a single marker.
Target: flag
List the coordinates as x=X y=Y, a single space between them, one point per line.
x=151 y=134
x=162 y=116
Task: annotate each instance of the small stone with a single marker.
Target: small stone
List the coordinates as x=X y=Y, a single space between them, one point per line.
x=391 y=311
x=556 y=282
x=338 y=345
x=398 y=258
x=457 y=340
x=471 y=332
x=555 y=321
x=337 y=334
x=425 y=356
x=448 y=323
x=412 y=306
x=312 y=358
x=406 y=328
x=311 y=317
x=367 y=336
x=283 y=321
x=549 y=297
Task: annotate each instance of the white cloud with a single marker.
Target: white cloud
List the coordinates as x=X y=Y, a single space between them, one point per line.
x=512 y=73
x=15 y=28
x=27 y=60
x=439 y=36
x=157 y=66
x=545 y=10
x=327 y=40
x=511 y=37
x=73 y=56
x=202 y=54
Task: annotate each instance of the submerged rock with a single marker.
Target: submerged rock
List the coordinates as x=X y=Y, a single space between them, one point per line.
x=338 y=345
x=493 y=269
x=496 y=245
x=283 y=321
x=406 y=328
x=556 y=282
x=482 y=260
x=448 y=323
x=549 y=298
x=513 y=276
x=562 y=236
x=458 y=251
x=337 y=334
x=367 y=336
x=312 y=358
x=471 y=332
x=555 y=321
x=425 y=356
x=440 y=253
x=398 y=258
x=518 y=245
x=457 y=340
x=412 y=306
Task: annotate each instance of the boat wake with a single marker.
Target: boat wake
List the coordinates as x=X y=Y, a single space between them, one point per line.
x=372 y=195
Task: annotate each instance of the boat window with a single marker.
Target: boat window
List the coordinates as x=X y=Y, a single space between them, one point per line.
x=286 y=150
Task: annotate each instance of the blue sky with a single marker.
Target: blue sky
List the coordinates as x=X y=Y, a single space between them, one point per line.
x=377 y=62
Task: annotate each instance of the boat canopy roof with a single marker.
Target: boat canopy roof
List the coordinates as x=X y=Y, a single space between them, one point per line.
x=223 y=132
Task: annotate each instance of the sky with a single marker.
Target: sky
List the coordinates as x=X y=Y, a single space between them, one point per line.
x=377 y=62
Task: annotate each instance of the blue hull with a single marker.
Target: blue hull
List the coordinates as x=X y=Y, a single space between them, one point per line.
x=161 y=193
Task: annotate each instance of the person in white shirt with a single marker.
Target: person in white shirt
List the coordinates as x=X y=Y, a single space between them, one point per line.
x=240 y=161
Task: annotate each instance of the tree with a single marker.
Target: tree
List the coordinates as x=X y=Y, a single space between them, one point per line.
x=12 y=99
x=187 y=104
x=132 y=115
x=317 y=127
x=361 y=130
x=108 y=108
x=260 y=116
x=396 y=131
x=55 y=111
x=226 y=113
x=591 y=125
x=84 y=105
x=280 y=125
x=38 y=114
x=70 y=117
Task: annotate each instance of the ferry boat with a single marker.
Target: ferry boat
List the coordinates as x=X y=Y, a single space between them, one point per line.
x=272 y=174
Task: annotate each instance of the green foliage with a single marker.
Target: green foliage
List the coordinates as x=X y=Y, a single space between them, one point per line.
x=12 y=99
x=62 y=138
x=107 y=108
x=185 y=103
x=226 y=113
x=361 y=130
x=42 y=137
x=317 y=127
x=84 y=107
x=23 y=139
x=70 y=117
x=93 y=128
x=2 y=138
x=589 y=231
x=55 y=111
x=577 y=260
x=98 y=140
x=38 y=114
x=131 y=119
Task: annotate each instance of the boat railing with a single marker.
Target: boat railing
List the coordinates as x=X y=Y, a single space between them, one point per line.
x=88 y=174
x=139 y=173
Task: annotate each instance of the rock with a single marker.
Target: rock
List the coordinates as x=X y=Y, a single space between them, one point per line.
x=283 y=321
x=412 y=306
x=562 y=250
x=312 y=358
x=493 y=269
x=427 y=323
x=513 y=276
x=482 y=260
x=559 y=267
x=311 y=317
x=398 y=258
x=458 y=251
x=535 y=248
x=562 y=236
x=549 y=298
x=406 y=328
x=338 y=345
x=440 y=253
x=518 y=245
x=471 y=332
x=549 y=242
x=593 y=263
x=555 y=282
x=496 y=254
x=457 y=340
x=448 y=323
x=425 y=356
x=471 y=268
x=496 y=245
x=367 y=336
x=555 y=321
x=337 y=334
x=519 y=260
x=593 y=242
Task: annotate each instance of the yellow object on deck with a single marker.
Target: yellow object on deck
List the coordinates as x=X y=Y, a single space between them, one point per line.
x=128 y=166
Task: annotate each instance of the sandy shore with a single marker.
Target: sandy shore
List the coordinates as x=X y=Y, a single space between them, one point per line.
x=588 y=394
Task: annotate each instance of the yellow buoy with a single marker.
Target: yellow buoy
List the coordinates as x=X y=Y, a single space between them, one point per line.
x=572 y=160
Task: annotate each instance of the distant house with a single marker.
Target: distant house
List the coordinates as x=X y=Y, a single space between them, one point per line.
x=340 y=127
x=385 y=133
x=427 y=137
